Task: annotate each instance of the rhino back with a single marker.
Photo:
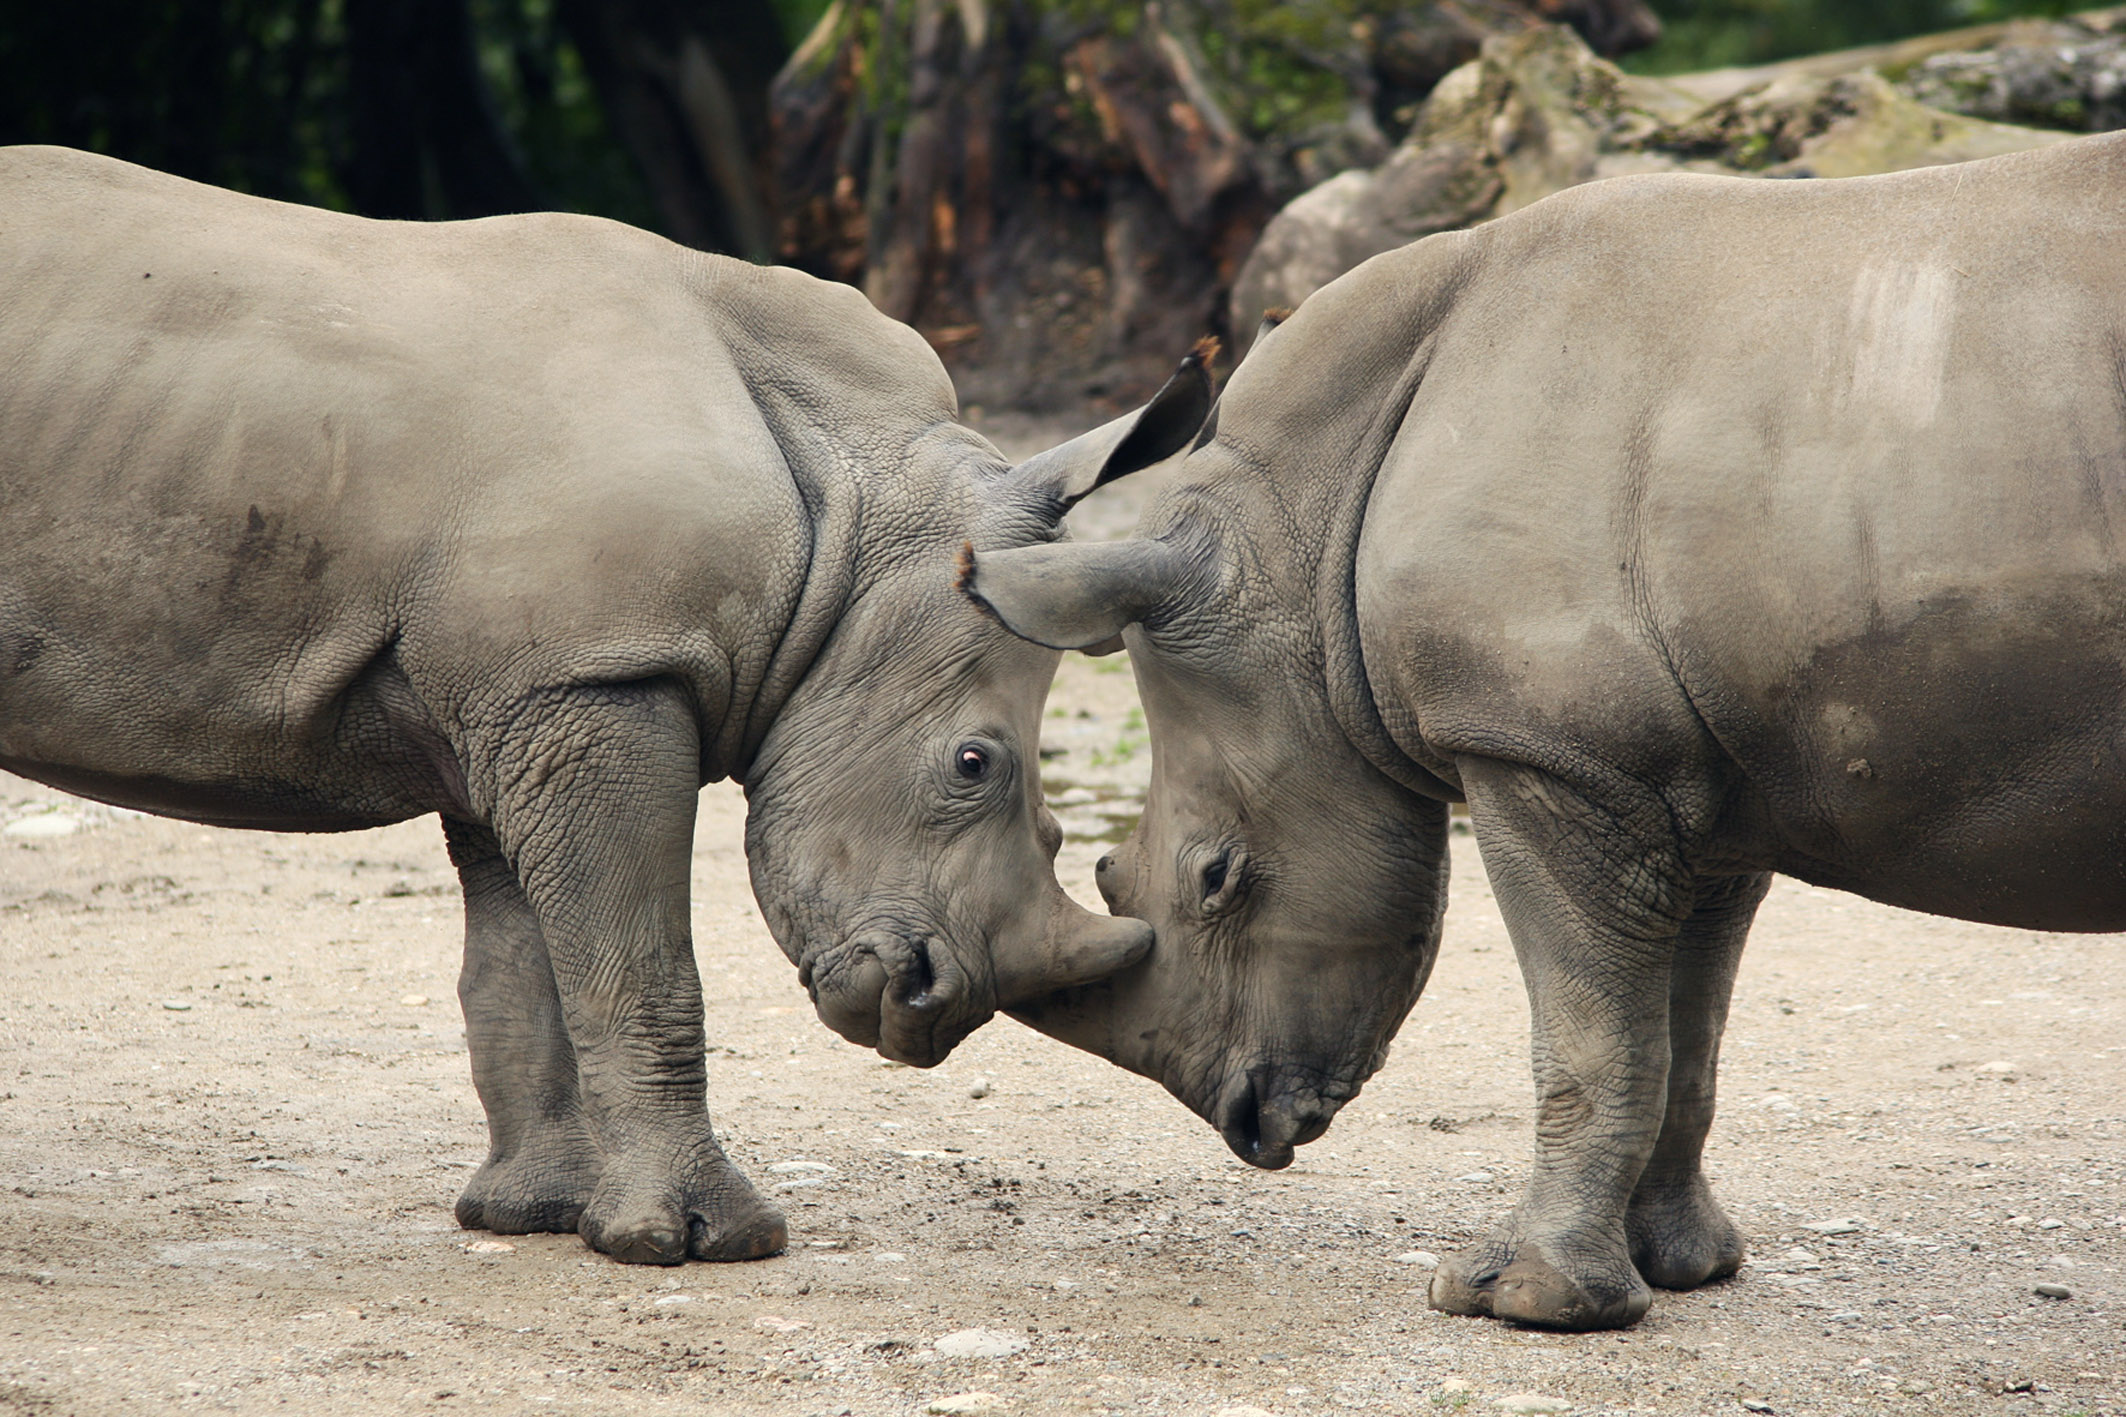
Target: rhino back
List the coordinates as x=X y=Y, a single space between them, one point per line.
x=286 y=497
x=1797 y=501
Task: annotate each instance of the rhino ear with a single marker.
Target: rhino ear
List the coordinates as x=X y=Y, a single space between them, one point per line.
x=1132 y=442
x=1072 y=594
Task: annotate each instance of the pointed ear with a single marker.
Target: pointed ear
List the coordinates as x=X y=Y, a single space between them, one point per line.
x=1134 y=441
x=1072 y=594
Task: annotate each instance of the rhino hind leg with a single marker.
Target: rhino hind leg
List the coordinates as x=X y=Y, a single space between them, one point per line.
x=1680 y=1238
x=594 y=790
x=1594 y=895
x=542 y=1163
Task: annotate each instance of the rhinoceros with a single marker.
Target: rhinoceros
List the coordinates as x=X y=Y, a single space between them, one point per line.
x=1690 y=529
x=541 y=523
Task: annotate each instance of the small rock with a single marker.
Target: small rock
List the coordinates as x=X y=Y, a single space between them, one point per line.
x=1845 y=1316
x=1423 y=1259
x=965 y=1404
x=1751 y=1404
x=802 y=1183
x=1998 y=1065
x=1530 y=1402
x=1453 y=1385
x=2050 y=1223
x=1243 y=1410
x=1799 y=1255
x=666 y=1301
x=1478 y=1177
x=487 y=1247
x=1849 y=1226
x=176 y=1006
x=890 y=1257
x=776 y=1323
x=979 y=1089
x=415 y=1001
x=799 y=1168
x=979 y=1343
x=43 y=825
x=2054 y=1291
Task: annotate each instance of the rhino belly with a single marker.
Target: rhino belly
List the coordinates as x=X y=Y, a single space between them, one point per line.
x=1959 y=763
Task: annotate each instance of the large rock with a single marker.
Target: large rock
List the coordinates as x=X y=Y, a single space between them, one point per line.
x=2075 y=79
x=1537 y=112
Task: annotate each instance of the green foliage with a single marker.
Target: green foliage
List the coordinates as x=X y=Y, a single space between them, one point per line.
x=257 y=95
x=1709 y=34
x=545 y=100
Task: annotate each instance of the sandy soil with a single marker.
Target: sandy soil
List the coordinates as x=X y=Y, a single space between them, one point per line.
x=234 y=1114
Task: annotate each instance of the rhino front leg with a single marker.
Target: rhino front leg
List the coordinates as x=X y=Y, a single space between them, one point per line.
x=594 y=792
x=542 y=1164
x=1593 y=898
x=1680 y=1238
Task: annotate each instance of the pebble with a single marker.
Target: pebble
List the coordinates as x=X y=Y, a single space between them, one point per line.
x=415 y=1001
x=2054 y=1291
x=1530 y=1402
x=979 y=1343
x=800 y=1168
x=1998 y=1065
x=1849 y=1226
x=1453 y=1385
x=980 y=1088
x=965 y=1404
x=1799 y=1255
x=1478 y=1177
x=1424 y=1259
x=776 y=1323
x=488 y=1247
x=176 y=1006
x=1242 y=1410
x=801 y=1184
x=2051 y=1223
x=1751 y=1404
x=45 y=824
x=1845 y=1316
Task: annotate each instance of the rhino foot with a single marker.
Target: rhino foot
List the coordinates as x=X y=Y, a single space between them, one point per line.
x=1680 y=1238
x=640 y=1217
x=1520 y=1283
x=539 y=1192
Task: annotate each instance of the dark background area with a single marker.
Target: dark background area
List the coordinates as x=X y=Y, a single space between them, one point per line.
x=651 y=111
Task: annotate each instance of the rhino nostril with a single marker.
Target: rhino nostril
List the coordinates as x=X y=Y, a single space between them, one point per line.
x=1104 y=864
x=915 y=984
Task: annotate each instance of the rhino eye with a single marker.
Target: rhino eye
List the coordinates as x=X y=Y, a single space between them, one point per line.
x=1214 y=874
x=970 y=761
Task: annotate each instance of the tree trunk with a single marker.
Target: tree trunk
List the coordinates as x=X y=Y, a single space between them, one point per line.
x=1060 y=196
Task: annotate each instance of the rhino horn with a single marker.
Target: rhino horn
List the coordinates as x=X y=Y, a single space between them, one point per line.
x=1152 y=434
x=1072 y=595
x=1078 y=948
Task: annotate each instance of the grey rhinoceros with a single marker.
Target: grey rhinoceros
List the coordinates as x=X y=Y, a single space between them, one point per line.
x=540 y=523
x=1691 y=529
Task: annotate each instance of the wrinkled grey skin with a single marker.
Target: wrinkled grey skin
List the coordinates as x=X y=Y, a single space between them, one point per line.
x=310 y=523
x=1691 y=529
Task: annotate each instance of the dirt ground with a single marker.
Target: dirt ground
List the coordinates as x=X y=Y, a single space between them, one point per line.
x=235 y=1112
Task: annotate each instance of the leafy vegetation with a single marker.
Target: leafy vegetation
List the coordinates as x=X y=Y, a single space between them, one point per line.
x=1711 y=34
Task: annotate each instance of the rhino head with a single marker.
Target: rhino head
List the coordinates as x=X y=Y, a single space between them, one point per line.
x=1294 y=889
x=898 y=841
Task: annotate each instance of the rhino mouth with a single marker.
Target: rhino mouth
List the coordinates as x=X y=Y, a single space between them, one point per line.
x=1266 y=1114
x=901 y=994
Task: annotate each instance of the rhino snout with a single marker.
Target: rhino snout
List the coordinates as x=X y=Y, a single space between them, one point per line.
x=899 y=994
x=1265 y=1114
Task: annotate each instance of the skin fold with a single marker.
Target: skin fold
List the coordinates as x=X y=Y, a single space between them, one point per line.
x=1690 y=530
x=540 y=523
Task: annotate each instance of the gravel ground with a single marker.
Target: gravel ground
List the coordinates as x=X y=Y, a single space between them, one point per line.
x=234 y=1114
